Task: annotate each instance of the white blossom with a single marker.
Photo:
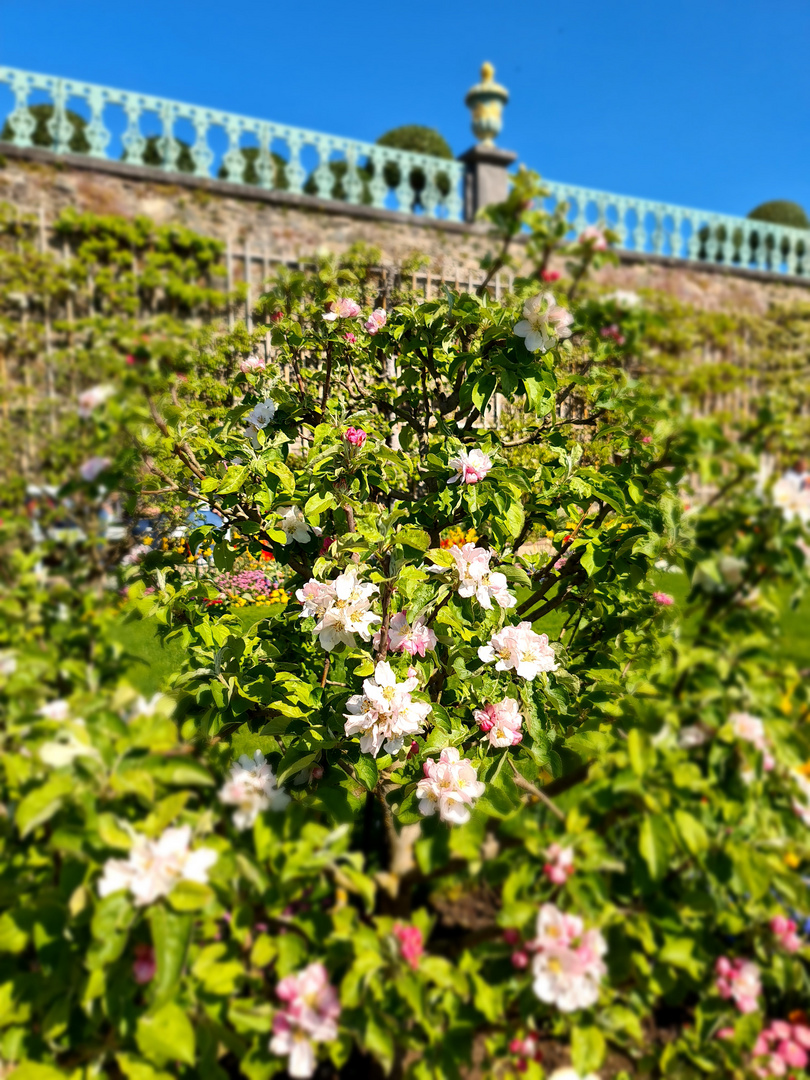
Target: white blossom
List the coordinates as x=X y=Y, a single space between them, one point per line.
x=251 y=788
x=519 y=649
x=342 y=607
x=154 y=867
x=450 y=787
x=476 y=579
x=385 y=712
x=295 y=526
x=544 y=323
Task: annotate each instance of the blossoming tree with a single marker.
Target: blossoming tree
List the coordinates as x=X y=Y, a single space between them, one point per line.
x=489 y=802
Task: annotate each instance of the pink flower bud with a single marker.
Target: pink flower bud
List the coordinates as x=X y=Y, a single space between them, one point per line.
x=356 y=436
x=144 y=965
x=550 y=275
x=511 y=937
x=352 y=340
x=663 y=598
x=277 y=316
x=520 y=960
x=317 y=772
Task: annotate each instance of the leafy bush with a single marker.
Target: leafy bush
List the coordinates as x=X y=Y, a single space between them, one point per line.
x=781 y=212
x=451 y=802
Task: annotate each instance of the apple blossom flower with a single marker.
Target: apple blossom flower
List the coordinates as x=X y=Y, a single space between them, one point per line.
x=791 y=493
x=307 y=1017
x=544 y=323
x=784 y=1046
x=415 y=640
x=341 y=309
x=253 y=363
x=560 y=865
x=663 y=598
x=277 y=316
x=259 y=417
x=501 y=722
x=356 y=436
x=91 y=469
x=89 y=400
x=385 y=712
x=784 y=930
x=751 y=729
x=252 y=788
x=376 y=321
x=738 y=979
x=568 y=965
x=8 y=662
x=624 y=298
x=614 y=333
x=476 y=579
x=594 y=237
x=520 y=960
x=411 y=943
x=341 y=607
x=550 y=275
x=470 y=466
x=135 y=554
x=450 y=787
x=58 y=710
x=154 y=867
x=350 y=337
x=691 y=736
x=519 y=649
x=144 y=965
x=294 y=525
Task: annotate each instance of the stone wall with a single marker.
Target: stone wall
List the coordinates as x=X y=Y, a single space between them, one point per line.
x=289 y=226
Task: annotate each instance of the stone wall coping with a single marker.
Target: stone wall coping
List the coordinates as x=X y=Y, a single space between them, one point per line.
x=315 y=204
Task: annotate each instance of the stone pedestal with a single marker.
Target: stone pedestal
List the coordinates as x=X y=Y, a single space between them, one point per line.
x=486 y=180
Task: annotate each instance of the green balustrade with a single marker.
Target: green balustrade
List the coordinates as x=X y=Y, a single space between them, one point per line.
x=258 y=151
x=658 y=228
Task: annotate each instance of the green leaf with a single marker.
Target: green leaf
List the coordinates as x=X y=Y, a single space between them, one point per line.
x=691 y=831
x=587 y=1048
x=233 y=480
x=190 y=896
x=594 y=559
x=41 y=804
x=171 y=934
x=654 y=845
x=166 y=1035
x=365 y=769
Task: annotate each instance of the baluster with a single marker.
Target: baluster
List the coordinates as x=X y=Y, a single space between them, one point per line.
x=295 y=171
x=799 y=250
x=453 y=201
x=265 y=166
x=747 y=256
x=693 y=240
x=234 y=159
x=580 y=218
x=353 y=184
x=97 y=134
x=404 y=191
x=169 y=147
x=430 y=195
x=322 y=176
x=21 y=121
x=726 y=237
x=658 y=229
x=639 y=232
x=620 y=226
x=201 y=153
x=133 y=140
x=59 y=127
x=675 y=239
x=378 y=189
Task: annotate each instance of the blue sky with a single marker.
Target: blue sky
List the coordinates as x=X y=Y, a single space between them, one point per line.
x=705 y=103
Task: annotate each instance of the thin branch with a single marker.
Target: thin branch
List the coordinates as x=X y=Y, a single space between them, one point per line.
x=526 y=785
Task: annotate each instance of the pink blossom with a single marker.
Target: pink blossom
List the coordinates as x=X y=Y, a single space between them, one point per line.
x=752 y=730
x=647 y=440
x=341 y=309
x=663 y=598
x=90 y=399
x=470 y=467
x=520 y=960
x=726 y=1033
x=350 y=337
x=501 y=722
x=594 y=237
x=356 y=436
x=376 y=321
x=410 y=943
x=277 y=316
x=550 y=275
x=415 y=640
x=560 y=865
x=738 y=980
x=91 y=469
x=563 y=559
x=308 y=1017
x=144 y=965
x=450 y=787
x=475 y=578
x=519 y=649
x=251 y=363
x=614 y=333
x=784 y=930
x=568 y=965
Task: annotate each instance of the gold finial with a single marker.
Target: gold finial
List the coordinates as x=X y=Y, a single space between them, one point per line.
x=487 y=72
x=486 y=102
